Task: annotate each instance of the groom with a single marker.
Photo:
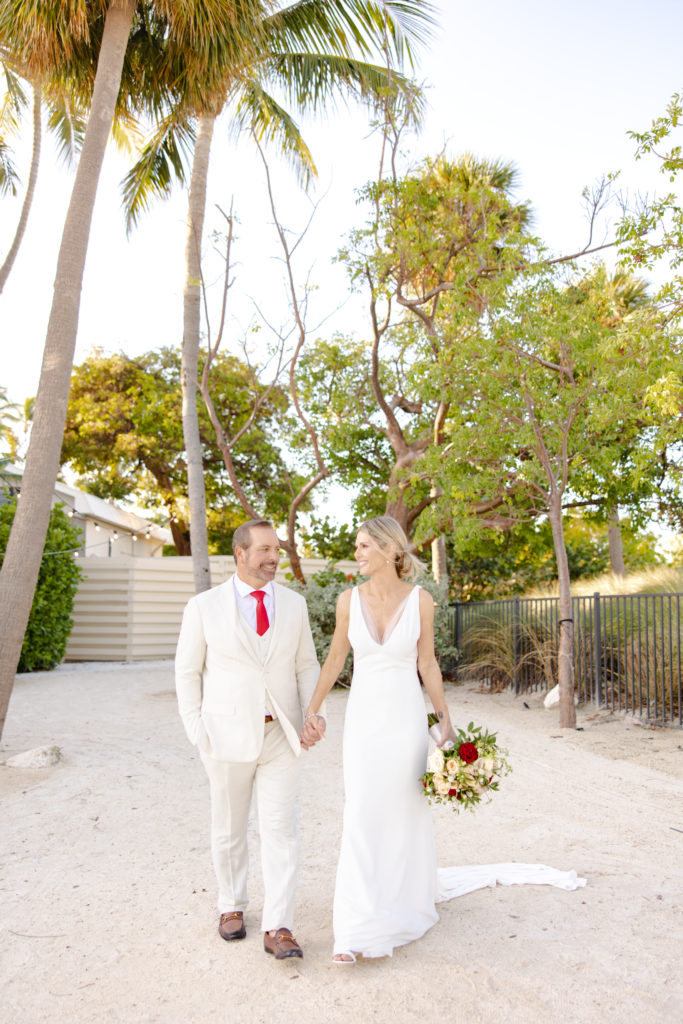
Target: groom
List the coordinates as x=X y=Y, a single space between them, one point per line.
x=245 y=668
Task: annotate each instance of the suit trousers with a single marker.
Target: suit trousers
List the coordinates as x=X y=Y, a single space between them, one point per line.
x=273 y=777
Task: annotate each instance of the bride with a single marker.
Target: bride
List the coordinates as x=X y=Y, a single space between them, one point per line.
x=386 y=877
x=387 y=881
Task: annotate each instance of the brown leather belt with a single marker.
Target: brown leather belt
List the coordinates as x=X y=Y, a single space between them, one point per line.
x=269 y=718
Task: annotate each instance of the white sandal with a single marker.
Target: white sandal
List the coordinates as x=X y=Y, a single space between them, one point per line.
x=337 y=958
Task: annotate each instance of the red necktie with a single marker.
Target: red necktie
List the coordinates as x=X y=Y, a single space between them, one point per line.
x=261 y=613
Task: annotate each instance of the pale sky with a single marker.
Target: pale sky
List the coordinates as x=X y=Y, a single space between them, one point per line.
x=552 y=88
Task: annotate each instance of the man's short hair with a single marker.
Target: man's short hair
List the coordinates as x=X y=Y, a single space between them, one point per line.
x=241 y=538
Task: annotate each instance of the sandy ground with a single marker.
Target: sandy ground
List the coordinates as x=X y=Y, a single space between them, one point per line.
x=107 y=892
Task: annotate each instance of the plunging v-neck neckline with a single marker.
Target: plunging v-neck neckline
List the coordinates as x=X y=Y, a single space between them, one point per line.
x=392 y=624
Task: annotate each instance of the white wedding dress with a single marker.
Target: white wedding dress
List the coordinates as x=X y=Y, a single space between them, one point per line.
x=387 y=882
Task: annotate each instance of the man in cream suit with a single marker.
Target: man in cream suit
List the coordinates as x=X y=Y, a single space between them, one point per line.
x=245 y=670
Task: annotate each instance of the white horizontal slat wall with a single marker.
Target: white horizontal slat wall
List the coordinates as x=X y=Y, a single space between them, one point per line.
x=130 y=609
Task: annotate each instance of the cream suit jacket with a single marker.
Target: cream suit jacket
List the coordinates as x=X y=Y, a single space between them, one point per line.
x=223 y=685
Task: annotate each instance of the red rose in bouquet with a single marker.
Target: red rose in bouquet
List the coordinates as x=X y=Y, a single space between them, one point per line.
x=468 y=753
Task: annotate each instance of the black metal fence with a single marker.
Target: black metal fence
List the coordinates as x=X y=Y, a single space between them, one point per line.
x=627 y=649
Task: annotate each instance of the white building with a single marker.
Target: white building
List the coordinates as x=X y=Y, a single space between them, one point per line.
x=107 y=530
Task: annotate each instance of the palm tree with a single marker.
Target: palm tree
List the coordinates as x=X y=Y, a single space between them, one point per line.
x=290 y=58
x=159 y=52
x=65 y=121
x=12 y=108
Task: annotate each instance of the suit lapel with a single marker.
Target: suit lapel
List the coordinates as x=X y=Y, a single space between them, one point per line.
x=280 y=626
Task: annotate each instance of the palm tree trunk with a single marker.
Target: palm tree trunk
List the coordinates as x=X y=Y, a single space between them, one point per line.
x=26 y=541
x=6 y=267
x=439 y=563
x=199 y=543
x=616 y=547
x=565 y=657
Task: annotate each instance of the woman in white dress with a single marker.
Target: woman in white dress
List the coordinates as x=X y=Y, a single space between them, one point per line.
x=386 y=876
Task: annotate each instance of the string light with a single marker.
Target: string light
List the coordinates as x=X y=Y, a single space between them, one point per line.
x=115 y=536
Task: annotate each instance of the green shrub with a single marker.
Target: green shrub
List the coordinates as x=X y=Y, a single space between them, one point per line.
x=50 y=620
x=321 y=592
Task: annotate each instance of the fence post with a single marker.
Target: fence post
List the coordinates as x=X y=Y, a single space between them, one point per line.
x=597 y=647
x=457 y=637
x=515 y=637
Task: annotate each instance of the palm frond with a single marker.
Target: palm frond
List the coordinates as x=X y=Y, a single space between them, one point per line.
x=126 y=133
x=312 y=79
x=162 y=161
x=258 y=112
x=13 y=104
x=67 y=124
x=353 y=27
x=8 y=173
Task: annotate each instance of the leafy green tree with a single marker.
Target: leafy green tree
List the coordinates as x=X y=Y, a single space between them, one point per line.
x=628 y=476
x=333 y=380
x=497 y=563
x=440 y=243
x=326 y=539
x=534 y=396
x=124 y=437
x=652 y=233
x=50 y=621
x=651 y=238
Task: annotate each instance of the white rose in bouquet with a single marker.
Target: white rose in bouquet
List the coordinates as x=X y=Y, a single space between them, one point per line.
x=441 y=785
x=435 y=761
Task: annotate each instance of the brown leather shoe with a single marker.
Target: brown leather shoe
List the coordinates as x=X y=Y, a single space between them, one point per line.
x=231 y=926
x=282 y=944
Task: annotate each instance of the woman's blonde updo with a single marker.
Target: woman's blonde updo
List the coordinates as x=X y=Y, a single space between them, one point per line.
x=384 y=530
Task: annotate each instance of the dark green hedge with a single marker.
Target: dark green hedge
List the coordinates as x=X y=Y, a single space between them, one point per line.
x=50 y=620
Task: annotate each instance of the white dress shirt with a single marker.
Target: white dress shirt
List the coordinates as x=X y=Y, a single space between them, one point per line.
x=247 y=604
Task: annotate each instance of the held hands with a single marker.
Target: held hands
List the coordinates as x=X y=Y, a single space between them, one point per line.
x=313 y=730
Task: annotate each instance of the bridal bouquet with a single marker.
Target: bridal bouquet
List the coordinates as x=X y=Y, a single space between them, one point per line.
x=460 y=773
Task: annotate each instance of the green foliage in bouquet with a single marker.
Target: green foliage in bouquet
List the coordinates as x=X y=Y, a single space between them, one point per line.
x=50 y=620
x=461 y=773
